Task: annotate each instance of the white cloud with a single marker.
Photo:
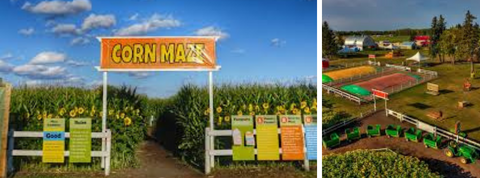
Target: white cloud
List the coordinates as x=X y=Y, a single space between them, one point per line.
x=79 y=41
x=40 y=71
x=155 y=22
x=133 y=17
x=277 y=42
x=98 y=21
x=139 y=75
x=76 y=63
x=58 y=8
x=5 y=67
x=6 y=56
x=212 y=31
x=48 y=57
x=67 y=81
x=66 y=29
x=27 y=31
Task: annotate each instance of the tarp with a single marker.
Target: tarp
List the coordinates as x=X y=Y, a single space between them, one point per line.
x=326 y=79
x=357 y=90
x=418 y=57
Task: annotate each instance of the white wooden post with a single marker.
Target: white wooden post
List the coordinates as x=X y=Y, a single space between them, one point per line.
x=207 y=151
x=104 y=115
x=374 y=103
x=108 y=151
x=210 y=93
x=306 y=163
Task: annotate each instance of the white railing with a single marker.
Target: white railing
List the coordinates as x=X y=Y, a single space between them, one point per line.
x=427 y=72
x=210 y=153
x=30 y=134
x=346 y=65
x=404 y=68
x=433 y=129
x=342 y=93
x=346 y=122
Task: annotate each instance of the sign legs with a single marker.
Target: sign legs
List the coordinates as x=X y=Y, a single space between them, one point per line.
x=210 y=100
x=104 y=115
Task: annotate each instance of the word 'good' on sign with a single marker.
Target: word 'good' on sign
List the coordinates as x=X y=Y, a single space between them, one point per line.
x=267 y=137
x=243 y=139
x=53 y=141
x=158 y=53
x=291 y=137
x=80 y=140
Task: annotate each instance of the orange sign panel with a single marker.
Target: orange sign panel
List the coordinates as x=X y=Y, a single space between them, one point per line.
x=158 y=53
x=292 y=137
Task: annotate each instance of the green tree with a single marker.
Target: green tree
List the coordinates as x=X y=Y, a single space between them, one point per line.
x=433 y=38
x=329 y=42
x=441 y=27
x=448 y=42
x=469 y=40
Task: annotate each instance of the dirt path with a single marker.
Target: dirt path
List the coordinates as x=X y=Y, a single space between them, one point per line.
x=450 y=167
x=156 y=162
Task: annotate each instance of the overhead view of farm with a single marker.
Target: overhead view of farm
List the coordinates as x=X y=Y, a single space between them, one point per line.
x=400 y=100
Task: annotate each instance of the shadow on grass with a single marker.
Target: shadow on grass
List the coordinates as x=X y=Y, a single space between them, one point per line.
x=445 y=91
x=472 y=130
x=420 y=106
x=446 y=169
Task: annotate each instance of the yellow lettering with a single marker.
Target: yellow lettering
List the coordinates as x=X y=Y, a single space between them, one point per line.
x=127 y=54
x=180 y=56
x=167 y=54
x=150 y=53
x=115 y=57
x=137 y=53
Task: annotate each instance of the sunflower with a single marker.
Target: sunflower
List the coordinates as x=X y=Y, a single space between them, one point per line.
x=296 y=111
x=278 y=113
x=127 y=121
x=39 y=117
x=49 y=116
x=62 y=111
x=73 y=113
x=257 y=108
x=219 y=109
x=303 y=104
x=240 y=113
x=220 y=119
x=110 y=112
x=292 y=106
x=306 y=110
x=250 y=107
x=227 y=118
x=122 y=115
x=265 y=105
x=252 y=113
x=207 y=112
x=81 y=110
x=117 y=116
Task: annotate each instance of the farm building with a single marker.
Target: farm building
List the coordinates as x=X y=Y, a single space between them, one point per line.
x=360 y=42
x=408 y=45
x=422 y=40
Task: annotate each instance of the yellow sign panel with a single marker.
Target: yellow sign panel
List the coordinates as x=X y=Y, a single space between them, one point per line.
x=267 y=138
x=53 y=141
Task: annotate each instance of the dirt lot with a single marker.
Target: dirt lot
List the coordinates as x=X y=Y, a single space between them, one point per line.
x=449 y=167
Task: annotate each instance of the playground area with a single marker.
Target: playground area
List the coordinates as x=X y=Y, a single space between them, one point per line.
x=359 y=81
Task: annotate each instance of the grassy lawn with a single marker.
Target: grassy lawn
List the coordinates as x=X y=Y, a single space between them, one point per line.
x=417 y=103
x=392 y=39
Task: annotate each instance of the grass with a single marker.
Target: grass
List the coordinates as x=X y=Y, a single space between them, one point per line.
x=267 y=170
x=415 y=102
x=392 y=39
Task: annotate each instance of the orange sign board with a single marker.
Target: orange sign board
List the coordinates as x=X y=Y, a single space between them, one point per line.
x=158 y=53
x=292 y=141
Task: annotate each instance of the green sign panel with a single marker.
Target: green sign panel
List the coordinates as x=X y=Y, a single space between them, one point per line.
x=243 y=139
x=80 y=140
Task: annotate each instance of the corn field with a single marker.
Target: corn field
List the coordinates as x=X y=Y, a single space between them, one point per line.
x=189 y=107
x=364 y=163
x=126 y=117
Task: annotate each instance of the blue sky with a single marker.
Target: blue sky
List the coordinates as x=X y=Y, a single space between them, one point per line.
x=393 y=14
x=45 y=42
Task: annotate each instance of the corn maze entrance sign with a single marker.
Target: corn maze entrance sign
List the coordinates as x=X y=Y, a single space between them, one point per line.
x=139 y=54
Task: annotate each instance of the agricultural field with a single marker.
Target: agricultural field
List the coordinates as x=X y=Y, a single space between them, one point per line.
x=365 y=163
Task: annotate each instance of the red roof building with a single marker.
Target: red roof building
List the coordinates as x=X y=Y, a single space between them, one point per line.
x=422 y=40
